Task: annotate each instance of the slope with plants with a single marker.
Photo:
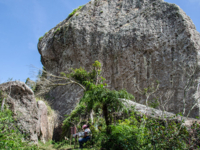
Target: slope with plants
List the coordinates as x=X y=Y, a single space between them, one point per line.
x=117 y=127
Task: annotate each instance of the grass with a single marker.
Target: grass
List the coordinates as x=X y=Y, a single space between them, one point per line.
x=74 y=11
x=57 y=30
x=40 y=38
x=50 y=145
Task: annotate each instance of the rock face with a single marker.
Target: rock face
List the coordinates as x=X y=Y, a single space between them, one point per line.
x=43 y=119
x=23 y=105
x=31 y=116
x=137 y=42
x=47 y=121
x=63 y=99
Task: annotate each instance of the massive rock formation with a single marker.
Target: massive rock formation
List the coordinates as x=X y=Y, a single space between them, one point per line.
x=137 y=42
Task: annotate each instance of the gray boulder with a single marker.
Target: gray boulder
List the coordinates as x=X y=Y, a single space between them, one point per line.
x=21 y=101
x=31 y=117
x=137 y=42
x=159 y=114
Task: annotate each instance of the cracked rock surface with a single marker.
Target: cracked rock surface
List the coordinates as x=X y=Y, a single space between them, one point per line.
x=138 y=43
x=21 y=101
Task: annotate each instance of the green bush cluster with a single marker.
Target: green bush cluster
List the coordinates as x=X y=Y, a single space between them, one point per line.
x=145 y=134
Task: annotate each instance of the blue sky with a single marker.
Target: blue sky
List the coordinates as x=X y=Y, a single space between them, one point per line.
x=22 y=22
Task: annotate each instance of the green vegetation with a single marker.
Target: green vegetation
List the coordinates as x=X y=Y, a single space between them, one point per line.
x=116 y=127
x=40 y=38
x=113 y=126
x=57 y=30
x=74 y=11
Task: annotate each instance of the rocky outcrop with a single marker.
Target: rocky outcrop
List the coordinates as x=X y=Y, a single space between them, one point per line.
x=21 y=101
x=138 y=42
x=31 y=117
x=158 y=114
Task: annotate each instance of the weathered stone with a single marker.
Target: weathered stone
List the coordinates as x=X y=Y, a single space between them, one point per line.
x=52 y=121
x=158 y=114
x=63 y=99
x=47 y=120
x=43 y=119
x=137 y=42
x=22 y=102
